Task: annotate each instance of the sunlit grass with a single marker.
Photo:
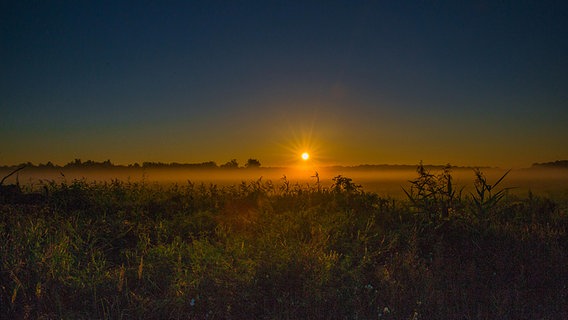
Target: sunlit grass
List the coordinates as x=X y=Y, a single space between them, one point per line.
x=282 y=250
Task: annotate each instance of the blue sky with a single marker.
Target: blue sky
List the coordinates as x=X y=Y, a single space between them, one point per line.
x=464 y=82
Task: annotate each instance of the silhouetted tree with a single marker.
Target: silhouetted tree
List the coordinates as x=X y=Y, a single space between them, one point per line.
x=153 y=164
x=233 y=164
x=75 y=163
x=252 y=163
x=48 y=165
x=208 y=164
x=555 y=164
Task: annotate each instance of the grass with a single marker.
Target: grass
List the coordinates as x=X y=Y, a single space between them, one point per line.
x=264 y=250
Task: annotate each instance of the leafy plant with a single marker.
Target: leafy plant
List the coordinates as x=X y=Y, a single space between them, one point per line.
x=343 y=184
x=485 y=199
x=434 y=196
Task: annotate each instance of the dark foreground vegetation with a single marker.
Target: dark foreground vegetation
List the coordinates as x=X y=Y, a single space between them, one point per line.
x=258 y=250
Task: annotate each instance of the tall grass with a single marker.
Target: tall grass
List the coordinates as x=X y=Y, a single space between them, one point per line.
x=259 y=250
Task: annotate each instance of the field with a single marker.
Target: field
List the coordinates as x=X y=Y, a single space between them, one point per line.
x=284 y=248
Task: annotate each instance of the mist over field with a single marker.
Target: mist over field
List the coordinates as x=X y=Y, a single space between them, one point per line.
x=384 y=180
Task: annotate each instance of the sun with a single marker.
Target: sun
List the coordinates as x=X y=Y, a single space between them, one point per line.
x=302 y=149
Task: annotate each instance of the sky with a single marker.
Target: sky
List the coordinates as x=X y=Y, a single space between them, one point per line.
x=352 y=82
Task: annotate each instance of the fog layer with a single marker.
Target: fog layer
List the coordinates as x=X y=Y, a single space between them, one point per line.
x=384 y=181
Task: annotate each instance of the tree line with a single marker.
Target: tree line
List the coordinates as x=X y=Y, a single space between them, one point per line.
x=555 y=164
x=90 y=164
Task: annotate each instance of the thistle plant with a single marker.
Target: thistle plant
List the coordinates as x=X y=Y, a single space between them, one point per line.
x=433 y=196
x=485 y=198
x=344 y=184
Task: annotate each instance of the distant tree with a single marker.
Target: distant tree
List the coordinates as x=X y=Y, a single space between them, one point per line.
x=233 y=164
x=75 y=163
x=208 y=164
x=555 y=164
x=49 y=164
x=252 y=163
x=152 y=164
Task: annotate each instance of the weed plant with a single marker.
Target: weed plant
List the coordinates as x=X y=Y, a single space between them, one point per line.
x=259 y=250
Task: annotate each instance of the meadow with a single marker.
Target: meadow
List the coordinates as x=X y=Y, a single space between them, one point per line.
x=323 y=248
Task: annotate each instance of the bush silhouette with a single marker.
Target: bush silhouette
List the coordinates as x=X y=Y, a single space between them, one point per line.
x=252 y=163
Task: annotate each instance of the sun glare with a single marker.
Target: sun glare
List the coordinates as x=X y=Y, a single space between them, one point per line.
x=301 y=149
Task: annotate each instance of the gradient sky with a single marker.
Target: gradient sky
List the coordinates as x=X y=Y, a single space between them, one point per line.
x=460 y=82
